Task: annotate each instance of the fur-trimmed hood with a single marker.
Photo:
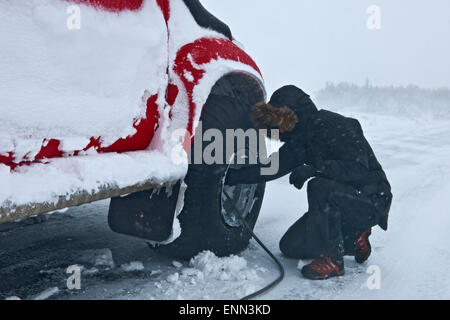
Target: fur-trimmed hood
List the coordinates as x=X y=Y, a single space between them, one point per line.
x=266 y=116
x=295 y=99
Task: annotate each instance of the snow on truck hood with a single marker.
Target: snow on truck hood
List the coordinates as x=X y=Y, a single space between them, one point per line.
x=71 y=85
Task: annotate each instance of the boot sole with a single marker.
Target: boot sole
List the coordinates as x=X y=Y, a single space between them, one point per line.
x=363 y=259
x=334 y=274
x=366 y=257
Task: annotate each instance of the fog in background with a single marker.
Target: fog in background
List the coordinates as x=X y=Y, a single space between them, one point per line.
x=310 y=42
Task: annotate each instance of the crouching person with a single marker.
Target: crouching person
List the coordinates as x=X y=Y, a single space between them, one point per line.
x=348 y=193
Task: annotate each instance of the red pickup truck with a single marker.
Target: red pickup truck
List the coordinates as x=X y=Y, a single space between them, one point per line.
x=97 y=97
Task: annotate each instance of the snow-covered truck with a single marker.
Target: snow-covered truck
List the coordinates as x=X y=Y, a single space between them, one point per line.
x=97 y=99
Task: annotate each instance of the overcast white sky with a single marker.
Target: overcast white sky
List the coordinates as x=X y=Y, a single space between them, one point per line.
x=309 y=42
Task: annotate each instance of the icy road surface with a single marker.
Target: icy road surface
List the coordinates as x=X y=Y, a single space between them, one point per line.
x=413 y=257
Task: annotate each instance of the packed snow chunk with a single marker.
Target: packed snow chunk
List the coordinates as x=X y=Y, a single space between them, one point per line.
x=98 y=258
x=90 y=272
x=210 y=264
x=173 y=278
x=208 y=275
x=133 y=266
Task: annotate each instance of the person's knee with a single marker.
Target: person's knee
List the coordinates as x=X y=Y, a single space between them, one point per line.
x=284 y=244
x=287 y=249
x=319 y=191
x=292 y=244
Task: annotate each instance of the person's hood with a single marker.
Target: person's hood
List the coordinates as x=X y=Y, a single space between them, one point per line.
x=300 y=103
x=295 y=99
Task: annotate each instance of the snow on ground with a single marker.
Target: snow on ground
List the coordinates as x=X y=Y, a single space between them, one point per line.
x=133 y=266
x=207 y=277
x=413 y=256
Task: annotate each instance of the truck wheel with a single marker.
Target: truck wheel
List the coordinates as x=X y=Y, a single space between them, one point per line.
x=208 y=220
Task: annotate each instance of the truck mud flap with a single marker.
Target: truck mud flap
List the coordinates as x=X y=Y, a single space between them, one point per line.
x=147 y=214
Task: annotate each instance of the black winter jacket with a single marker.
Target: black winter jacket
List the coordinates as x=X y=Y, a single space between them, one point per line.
x=336 y=148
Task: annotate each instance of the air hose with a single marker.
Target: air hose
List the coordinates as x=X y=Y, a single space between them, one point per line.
x=250 y=231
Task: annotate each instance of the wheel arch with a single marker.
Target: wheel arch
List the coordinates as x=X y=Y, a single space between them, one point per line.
x=198 y=66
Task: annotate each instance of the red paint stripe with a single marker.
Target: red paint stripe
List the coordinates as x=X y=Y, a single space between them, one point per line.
x=165 y=8
x=9 y=158
x=145 y=130
x=49 y=149
x=112 y=5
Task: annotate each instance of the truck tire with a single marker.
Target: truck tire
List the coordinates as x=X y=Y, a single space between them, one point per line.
x=208 y=221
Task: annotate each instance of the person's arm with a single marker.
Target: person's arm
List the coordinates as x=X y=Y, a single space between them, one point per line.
x=288 y=160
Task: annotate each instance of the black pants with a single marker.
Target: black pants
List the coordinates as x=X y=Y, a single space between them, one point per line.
x=337 y=214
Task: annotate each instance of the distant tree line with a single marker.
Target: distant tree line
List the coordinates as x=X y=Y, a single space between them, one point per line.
x=409 y=100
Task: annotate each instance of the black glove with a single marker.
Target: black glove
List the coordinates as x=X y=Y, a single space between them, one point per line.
x=300 y=174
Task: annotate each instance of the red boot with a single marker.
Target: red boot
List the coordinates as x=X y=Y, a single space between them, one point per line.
x=324 y=268
x=363 y=248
